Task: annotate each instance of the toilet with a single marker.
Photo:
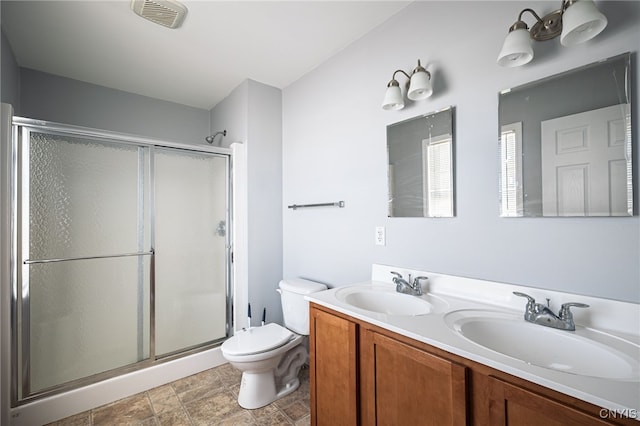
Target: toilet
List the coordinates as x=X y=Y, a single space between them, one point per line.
x=270 y=356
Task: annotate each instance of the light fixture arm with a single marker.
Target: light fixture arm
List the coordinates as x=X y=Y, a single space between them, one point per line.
x=533 y=12
x=401 y=71
x=419 y=68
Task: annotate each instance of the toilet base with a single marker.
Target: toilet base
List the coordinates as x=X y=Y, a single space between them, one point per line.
x=259 y=389
x=267 y=376
x=264 y=385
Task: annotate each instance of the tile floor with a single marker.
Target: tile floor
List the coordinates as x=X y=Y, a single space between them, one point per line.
x=207 y=398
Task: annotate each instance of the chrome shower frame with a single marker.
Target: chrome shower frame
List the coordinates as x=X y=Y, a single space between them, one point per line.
x=19 y=296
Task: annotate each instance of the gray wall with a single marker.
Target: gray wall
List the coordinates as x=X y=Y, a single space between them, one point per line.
x=231 y=114
x=334 y=149
x=10 y=72
x=252 y=114
x=63 y=100
x=264 y=166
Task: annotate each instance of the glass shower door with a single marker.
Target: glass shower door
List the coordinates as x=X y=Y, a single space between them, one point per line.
x=85 y=258
x=191 y=193
x=121 y=255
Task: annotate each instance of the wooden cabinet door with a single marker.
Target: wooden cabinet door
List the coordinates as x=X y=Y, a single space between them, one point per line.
x=512 y=405
x=333 y=362
x=403 y=385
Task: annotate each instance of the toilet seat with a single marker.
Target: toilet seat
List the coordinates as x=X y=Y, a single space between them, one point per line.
x=257 y=340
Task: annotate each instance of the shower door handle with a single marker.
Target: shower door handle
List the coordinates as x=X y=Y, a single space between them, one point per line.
x=106 y=256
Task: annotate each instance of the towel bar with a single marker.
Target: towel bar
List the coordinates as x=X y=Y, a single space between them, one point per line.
x=302 y=206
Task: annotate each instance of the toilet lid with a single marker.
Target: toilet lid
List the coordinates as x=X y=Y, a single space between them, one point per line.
x=257 y=339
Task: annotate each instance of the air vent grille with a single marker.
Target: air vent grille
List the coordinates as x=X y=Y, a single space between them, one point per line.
x=167 y=13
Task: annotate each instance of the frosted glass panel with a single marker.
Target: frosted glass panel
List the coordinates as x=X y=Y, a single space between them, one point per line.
x=84 y=197
x=87 y=317
x=190 y=244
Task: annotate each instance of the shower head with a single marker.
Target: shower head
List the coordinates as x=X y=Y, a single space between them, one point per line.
x=211 y=138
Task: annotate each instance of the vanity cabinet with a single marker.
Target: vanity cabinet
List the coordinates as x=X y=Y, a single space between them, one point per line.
x=404 y=385
x=363 y=377
x=333 y=347
x=516 y=406
x=362 y=374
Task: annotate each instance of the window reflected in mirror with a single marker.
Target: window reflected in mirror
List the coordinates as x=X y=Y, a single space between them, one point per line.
x=565 y=144
x=420 y=152
x=511 y=165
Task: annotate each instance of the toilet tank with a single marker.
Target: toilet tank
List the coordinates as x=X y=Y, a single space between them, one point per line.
x=295 y=309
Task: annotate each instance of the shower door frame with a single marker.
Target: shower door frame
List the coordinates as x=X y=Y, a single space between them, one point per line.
x=20 y=368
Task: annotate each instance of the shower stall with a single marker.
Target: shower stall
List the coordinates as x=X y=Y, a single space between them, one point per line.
x=120 y=255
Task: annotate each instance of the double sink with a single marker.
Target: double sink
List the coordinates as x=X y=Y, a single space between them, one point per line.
x=583 y=352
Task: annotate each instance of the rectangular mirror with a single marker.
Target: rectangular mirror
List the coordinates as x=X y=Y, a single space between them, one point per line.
x=420 y=152
x=565 y=143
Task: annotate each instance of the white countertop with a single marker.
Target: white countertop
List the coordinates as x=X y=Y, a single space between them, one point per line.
x=621 y=319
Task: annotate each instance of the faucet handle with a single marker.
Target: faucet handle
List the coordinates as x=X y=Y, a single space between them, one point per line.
x=397 y=274
x=417 y=285
x=416 y=280
x=565 y=309
x=530 y=299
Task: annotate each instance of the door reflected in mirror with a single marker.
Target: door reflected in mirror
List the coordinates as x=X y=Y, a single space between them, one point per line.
x=421 y=173
x=565 y=144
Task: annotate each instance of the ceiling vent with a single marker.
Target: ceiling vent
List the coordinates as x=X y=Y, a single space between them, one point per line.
x=168 y=13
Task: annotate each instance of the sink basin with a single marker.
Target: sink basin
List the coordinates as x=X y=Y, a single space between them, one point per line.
x=385 y=300
x=584 y=352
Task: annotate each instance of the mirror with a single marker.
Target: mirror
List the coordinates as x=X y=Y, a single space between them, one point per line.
x=420 y=173
x=565 y=144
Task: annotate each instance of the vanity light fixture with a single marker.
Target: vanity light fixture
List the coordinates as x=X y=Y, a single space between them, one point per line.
x=575 y=22
x=418 y=88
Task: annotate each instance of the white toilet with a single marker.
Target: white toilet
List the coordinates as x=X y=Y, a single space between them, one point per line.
x=270 y=356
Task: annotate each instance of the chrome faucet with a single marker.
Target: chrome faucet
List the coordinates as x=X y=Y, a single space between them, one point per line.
x=538 y=313
x=406 y=286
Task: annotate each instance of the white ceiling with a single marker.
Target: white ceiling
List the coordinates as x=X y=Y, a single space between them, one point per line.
x=219 y=45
